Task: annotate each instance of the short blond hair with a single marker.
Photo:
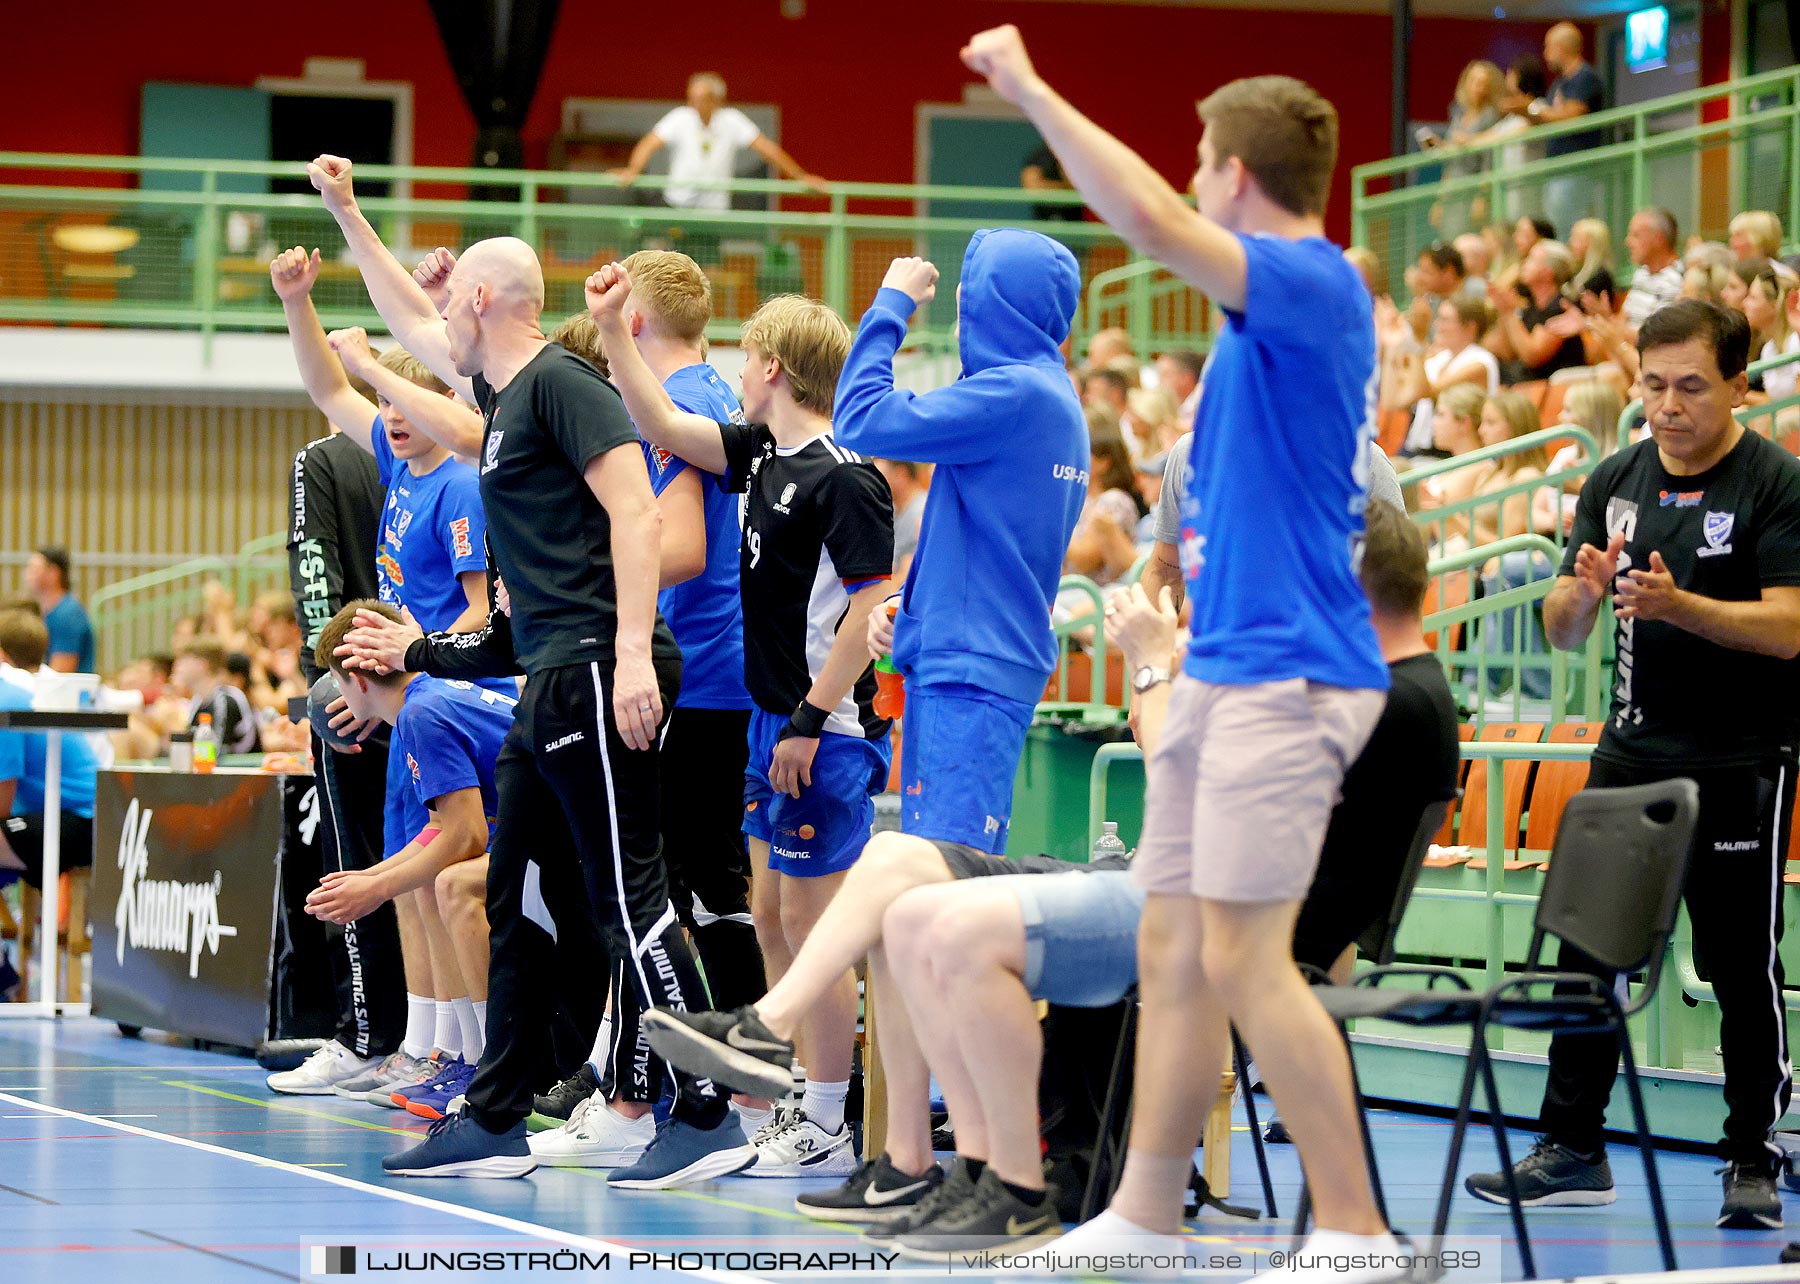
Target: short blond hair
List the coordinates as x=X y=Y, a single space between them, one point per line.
x=671 y=287
x=580 y=335
x=410 y=368
x=1763 y=228
x=811 y=342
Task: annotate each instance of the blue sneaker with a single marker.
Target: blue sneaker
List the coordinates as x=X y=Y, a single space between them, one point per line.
x=457 y=1146
x=434 y=1101
x=681 y=1154
x=403 y=1094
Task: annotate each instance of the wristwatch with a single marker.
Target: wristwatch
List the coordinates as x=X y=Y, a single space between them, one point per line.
x=1148 y=676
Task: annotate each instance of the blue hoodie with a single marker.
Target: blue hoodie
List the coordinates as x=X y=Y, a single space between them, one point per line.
x=1011 y=448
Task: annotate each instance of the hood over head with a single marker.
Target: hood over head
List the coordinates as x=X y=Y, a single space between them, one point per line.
x=1019 y=291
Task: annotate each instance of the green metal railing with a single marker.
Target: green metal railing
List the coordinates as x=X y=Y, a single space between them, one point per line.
x=190 y=248
x=1087 y=624
x=1770 y=418
x=136 y=616
x=1662 y=152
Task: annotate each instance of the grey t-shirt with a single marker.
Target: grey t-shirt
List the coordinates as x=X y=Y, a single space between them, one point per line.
x=1383 y=485
x=906 y=527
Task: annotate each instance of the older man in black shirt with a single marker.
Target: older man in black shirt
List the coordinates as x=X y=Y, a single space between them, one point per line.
x=1695 y=537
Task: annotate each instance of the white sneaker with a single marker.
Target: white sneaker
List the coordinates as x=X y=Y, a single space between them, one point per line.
x=596 y=1136
x=322 y=1071
x=1314 y=1262
x=1130 y=1252
x=397 y=1070
x=800 y=1148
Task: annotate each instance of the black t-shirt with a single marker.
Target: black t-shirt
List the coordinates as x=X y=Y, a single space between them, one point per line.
x=550 y=538
x=1051 y=168
x=1410 y=760
x=818 y=520
x=1568 y=354
x=1726 y=534
x=233 y=720
x=331 y=536
x=1583 y=86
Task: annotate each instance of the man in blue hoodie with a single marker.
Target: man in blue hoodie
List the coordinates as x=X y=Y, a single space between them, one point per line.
x=972 y=636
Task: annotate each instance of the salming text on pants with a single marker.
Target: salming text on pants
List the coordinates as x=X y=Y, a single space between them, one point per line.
x=366 y=967
x=573 y=794
x=1733 y=897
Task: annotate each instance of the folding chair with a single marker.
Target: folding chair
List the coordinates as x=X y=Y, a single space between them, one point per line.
x=1612 y=890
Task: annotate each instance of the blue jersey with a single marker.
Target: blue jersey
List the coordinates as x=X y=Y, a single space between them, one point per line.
x=449 y=735
x=705 y=613
x=1272 y=523
x=23 y=758
x=71 y=633
x=432 y=530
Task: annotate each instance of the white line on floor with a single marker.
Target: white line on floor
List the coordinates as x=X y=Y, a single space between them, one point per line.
x=567 y=1238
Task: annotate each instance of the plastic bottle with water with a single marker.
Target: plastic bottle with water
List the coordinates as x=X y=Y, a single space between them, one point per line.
x=1109 y=846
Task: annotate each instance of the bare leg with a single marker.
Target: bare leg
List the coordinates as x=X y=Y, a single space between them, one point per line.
x=830 y=1024
x=907 y=930
x=1249 y=961
x=462 y=901
x=904 y=1068
x=446 y=975
x=1182 y=1039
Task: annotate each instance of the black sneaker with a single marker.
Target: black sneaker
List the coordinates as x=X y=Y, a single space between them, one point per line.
x=1275 y=1133
x=992 y=1219
x=734 y=1049
x=1751 y=1200
x=875 y=1192
x=553 y=1108
x=1551 y=1175
x=954 y=1189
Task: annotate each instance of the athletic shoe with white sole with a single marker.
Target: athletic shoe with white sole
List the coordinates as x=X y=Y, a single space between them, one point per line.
x=596 y=1136
x=457 y=1146
x=1550 y=1176
x=800 y=1148
x=438 y=1099
x=956 y=1187
x=322 y=1071
x=396 y=1070
x=991 y=1220
x=425 y=1069
x=875 y=1192
x=682 y=1153
x=734 y=1049
x=555 y=1108
x=1751 y=1200
x=443 y=1072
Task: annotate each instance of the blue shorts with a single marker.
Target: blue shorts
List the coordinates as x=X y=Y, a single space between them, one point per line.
x=958 y=758
x=824 y=830
x=403 y=815
x=1081 y=935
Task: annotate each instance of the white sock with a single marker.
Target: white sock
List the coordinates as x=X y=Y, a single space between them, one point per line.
x=421 y=1012
x=751 y=1118
x=480 y=1007
x=824 y=1104
x=602 y=1048
x=469 y=1027
x=448 y=1036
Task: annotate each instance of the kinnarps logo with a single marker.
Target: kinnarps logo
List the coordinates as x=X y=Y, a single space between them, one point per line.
x=332 y=1259
x=155 y=915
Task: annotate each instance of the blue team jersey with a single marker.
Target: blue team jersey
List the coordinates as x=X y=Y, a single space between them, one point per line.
x=432 y=530
x=449 y=735
x=1272 y=524
x=71 y=633
x=706 y=614
x=23 y=758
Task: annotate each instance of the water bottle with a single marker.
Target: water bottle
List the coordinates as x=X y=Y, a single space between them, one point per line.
x=890 y=683
x=1109 y=846
x=206 y=746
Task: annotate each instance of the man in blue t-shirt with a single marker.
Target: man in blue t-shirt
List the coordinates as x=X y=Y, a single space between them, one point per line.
x=71 y=633
x=24 y=764
x=1283 y=680
x=447 y=737
x=431 y=561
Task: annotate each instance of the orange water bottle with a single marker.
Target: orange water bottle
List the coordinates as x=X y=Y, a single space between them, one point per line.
x=890 y=683
x=206 y=746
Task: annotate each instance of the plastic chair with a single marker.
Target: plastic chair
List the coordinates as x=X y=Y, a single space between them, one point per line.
x=1612 y=890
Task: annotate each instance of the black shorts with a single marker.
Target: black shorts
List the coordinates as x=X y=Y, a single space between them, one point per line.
x=971 y=862
x=25 y=835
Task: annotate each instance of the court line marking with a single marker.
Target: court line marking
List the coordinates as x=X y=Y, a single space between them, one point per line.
x=214 y=1253
x=517 y=1226
x=292 y=1110
x=28 y=1195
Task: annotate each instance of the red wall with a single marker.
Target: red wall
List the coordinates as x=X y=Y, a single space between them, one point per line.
x=846 y=75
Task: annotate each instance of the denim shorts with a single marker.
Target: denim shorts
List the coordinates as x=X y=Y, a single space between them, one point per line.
x=1080 y=935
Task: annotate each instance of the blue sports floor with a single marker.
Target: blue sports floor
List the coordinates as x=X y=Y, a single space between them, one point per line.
x=142 y=1161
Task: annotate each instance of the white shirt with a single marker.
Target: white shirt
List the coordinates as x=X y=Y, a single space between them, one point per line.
x=1650 y=291
x=1780 y=382
x=707 y=150
x=1419 y=436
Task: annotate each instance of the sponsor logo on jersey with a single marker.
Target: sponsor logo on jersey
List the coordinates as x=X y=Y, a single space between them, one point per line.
x=389 y=567
x=662 y=457
x=1680 y=498
x=412 y=765
x=460 y=544
x=1717 y=529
